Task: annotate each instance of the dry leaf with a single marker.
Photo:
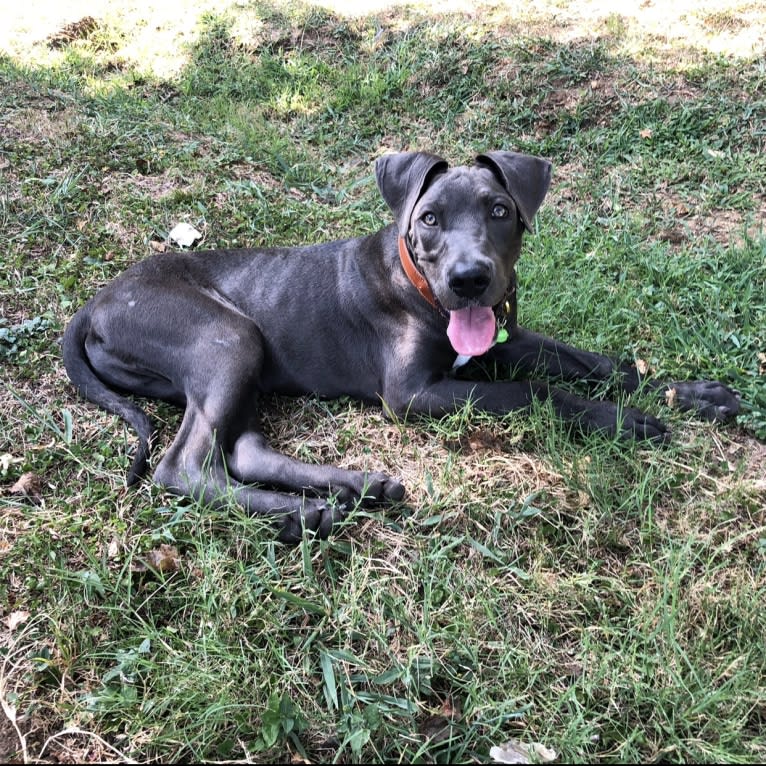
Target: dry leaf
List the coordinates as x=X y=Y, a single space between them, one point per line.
x=184 y=235
x=436 y=728
x=450 y=709
x=158 y=247
x=441 y=727
x=762 y=364
x=164 y=559
x=28 y=484
x=642 y=366
x=670 y=397
x=7 y=460
x=14 y=619
x=515 y=751
x=113 y=550
x=646 y=133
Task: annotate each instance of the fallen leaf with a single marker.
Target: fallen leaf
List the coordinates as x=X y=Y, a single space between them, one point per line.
x=515 y=751
x=184 y=234
x=646 y=133
x=762 y=364
x=476 y=441
x=28 y=484
x=670 y=397
x=441 y=726
x=642 y=366
x=436 y=728
x=14 y=619
x=158 y=247
x=162 y=559
x=450 y=709
x=113 y=550
x=7 y=460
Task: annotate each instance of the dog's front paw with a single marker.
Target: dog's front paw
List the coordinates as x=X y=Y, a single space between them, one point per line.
x=613 y=421
x=709 y=399
x=625 y=423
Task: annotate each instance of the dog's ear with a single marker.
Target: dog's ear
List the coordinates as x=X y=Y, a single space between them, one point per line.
x=402 y=179
x=525 y=178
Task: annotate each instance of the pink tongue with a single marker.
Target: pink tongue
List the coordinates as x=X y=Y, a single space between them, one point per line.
x=471 y=331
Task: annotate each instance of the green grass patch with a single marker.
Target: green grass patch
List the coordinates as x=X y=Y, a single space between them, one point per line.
x=606 y=601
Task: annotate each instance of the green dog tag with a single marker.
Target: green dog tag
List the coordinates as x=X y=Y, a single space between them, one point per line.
x=502 y=335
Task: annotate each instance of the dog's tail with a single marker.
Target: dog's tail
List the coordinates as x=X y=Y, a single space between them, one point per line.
x=91 y=387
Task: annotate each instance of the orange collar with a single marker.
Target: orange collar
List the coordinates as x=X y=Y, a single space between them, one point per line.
x=417 y=279
x=505 y=310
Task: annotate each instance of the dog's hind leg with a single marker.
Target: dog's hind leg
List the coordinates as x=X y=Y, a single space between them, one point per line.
x=219 y=453
x=253 y=460
x=195 y=466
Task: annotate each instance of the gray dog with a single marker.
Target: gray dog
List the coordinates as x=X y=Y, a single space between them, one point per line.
x=383 y=317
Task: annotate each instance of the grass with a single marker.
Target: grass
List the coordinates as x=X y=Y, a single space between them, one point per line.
x=605 y=601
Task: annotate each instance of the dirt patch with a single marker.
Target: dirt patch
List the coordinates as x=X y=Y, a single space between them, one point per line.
x=565 y=182
x=751 y=454
x=156 y=187
x=729 y=27
x=261 y=178
x=323 y=37
x=684 y=223
x=75 y=30
x=47 y=122
x=9 y=743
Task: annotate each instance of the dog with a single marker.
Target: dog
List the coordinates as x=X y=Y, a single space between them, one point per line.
x=381 y=318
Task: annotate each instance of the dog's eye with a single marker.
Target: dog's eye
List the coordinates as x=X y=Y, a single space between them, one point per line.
x=499 y=211
x=429 y=219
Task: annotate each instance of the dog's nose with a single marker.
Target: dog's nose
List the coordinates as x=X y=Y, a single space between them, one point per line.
x=469 y=280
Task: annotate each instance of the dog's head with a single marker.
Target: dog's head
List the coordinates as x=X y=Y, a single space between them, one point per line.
x=464 y=227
